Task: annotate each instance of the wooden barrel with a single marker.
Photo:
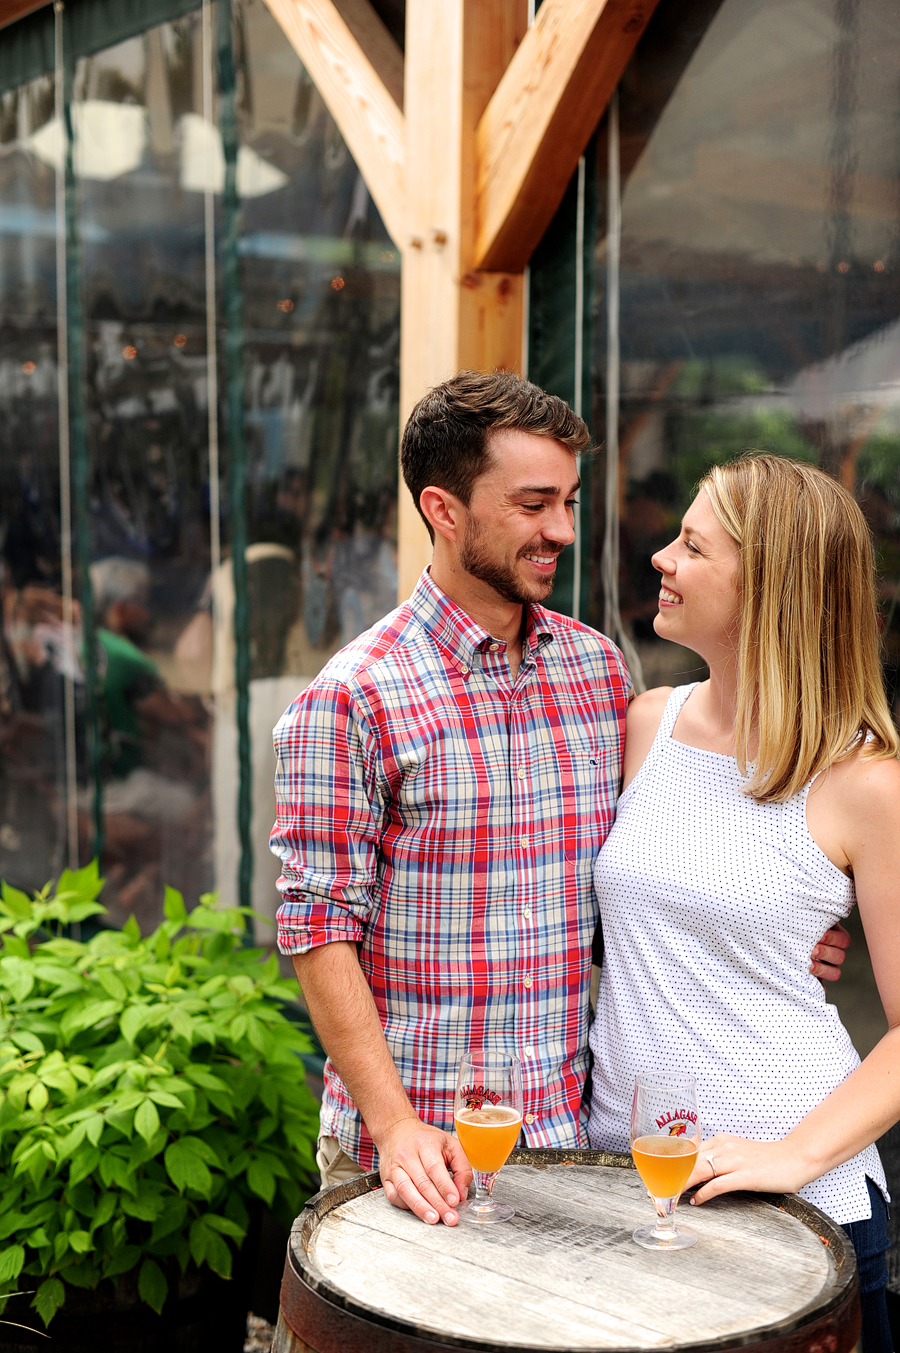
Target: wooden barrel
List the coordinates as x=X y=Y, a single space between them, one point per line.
x=768 y=1273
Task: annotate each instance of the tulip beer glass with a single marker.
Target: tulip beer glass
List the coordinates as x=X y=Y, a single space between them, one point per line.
x=665 y=1137
x=488 y=1116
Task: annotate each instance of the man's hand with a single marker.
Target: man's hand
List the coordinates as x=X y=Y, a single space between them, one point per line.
x=828 y=954
x=423 y=1170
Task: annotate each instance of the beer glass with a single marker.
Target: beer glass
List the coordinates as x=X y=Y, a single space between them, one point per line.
x=665 y=1138
x=487 y=1111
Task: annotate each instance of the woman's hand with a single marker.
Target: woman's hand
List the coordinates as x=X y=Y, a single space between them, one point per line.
x=726 y=1163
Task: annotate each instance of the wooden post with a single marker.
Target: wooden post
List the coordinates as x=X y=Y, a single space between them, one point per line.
x=451 y=316
x=468 y=173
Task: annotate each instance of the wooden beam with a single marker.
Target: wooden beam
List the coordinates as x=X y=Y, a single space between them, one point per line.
x=429 y=303
x=361 y=88
x=452 y=316
x=541 y=117
x=373 y=38
x=10 y=10
x=490 y=303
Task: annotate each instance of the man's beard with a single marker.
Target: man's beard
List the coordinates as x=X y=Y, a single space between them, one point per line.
x=476 y=560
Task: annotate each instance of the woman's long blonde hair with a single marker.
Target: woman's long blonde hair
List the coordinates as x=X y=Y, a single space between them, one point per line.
x=810 y=688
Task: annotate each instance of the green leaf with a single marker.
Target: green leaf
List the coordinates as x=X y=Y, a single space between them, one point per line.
x=17 y=975
x=146 y=1120
x=80 y=1241
x=11 y=1261
x=124 y=1259
x=12 y=1223
x=186 y=1169
x=49 y=1297
x=145 y=1209
x=104 y=1209
x=114 y=1170
x=199 y=1240
x=23 y=1039
x=15 y=903
x=218 y=1255
x=205 y=1079
x=205 y=1150
x=94 y=1128
x=172 y=1219
x=133 y=1021
x=112 y=984
x=173 y=906
x=95 y=1012
x=84 y=1162
x=152 y=1285
x=182 y=1023
x=131 y=929
x=261 y=1181
x=38 y=1097
x=85 y=882
x=168 y=1101
x=225 y=1225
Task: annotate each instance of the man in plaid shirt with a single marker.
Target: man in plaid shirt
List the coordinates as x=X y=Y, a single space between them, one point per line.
x=443 y=788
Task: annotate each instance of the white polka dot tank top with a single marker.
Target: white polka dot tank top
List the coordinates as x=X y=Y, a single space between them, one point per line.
x=711 y=905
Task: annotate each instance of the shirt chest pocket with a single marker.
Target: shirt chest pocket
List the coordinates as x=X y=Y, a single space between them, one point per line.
x=451 y=785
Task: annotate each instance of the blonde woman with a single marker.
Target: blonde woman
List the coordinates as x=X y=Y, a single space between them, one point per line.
x=756 y=808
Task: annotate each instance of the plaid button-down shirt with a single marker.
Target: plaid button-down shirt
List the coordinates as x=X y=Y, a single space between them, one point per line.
x=446 y=820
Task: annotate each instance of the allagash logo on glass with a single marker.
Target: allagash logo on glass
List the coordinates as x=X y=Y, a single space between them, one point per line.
x=677 y=1122
x=476 y=1095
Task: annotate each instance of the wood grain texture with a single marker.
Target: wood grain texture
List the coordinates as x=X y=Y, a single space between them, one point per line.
x=541 y=117
x=376 y=41
x=368 y=116
x=566 y=1274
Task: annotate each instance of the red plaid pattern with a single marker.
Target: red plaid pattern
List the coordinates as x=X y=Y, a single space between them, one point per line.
x=447 y=822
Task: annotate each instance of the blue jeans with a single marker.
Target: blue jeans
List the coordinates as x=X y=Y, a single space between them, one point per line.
x=870 y=1240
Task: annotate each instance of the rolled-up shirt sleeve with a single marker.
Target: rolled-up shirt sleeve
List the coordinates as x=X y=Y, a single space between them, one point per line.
x=328 y=824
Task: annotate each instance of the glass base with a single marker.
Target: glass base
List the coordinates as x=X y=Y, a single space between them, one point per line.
x=483 y=1213
x=655 y=1238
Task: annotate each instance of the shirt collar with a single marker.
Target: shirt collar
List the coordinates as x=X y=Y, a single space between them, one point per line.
x=460 y=636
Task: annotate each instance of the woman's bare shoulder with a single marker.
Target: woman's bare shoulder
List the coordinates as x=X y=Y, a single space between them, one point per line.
x=644 y=716
x=646 y=709
x=865 y=786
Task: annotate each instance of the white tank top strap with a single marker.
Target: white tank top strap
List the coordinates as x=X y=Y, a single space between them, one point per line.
x=663 y=734
x=672 y=711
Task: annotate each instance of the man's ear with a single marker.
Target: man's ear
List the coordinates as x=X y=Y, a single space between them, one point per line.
x=444 y=512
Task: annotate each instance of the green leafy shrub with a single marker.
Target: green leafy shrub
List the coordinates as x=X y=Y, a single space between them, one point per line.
x=150 y=1090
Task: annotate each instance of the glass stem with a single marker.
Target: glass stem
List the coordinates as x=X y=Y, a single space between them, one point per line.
x=665 y=1215
x=484 y=1187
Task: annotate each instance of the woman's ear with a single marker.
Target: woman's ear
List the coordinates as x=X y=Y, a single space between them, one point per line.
x=443 y=511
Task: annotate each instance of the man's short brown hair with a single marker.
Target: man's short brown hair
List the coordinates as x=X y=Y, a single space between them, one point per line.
x=446 y=441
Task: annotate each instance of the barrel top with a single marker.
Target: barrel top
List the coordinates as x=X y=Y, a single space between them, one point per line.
x=565 y=1273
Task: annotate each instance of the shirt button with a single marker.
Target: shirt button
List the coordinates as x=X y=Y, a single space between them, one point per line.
x=464 y=670
x=521 y=772
x=529 y=1118
x=527 y=913
x=529 y=1051
x=494 y=648
x=523 y=842
x=526 y=982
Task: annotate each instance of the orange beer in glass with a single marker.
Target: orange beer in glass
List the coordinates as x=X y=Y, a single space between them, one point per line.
x=665 y=1138
x=487 y=1135
x=487 y=1112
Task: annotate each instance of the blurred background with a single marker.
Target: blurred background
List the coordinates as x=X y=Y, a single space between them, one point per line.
x=216 y=513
